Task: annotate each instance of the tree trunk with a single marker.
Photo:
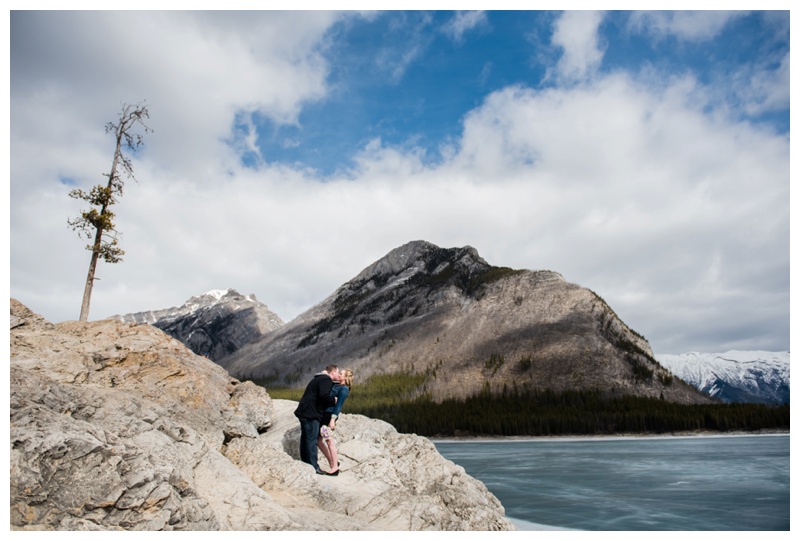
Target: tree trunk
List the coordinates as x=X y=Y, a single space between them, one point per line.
x=87 y=290
x=98 y=238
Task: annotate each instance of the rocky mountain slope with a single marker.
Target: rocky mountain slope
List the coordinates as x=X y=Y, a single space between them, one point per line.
x=117 y=426
x=214 y=324
x=470 y=325
x=735 y=376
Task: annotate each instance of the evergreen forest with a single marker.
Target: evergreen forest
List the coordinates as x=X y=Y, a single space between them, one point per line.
x=398 y=400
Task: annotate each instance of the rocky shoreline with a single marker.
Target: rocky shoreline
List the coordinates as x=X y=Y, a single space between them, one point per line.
x=117 y=426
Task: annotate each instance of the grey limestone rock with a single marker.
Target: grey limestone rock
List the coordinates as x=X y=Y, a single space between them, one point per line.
x=117 y=426
x=388 y=480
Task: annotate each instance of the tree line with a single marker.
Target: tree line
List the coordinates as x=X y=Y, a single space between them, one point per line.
x=400 y=400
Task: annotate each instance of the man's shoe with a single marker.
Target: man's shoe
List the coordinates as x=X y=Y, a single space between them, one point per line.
x=320 y=472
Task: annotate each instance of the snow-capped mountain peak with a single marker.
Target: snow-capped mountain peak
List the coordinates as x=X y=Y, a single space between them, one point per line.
x=215 y=323
x=735 y=376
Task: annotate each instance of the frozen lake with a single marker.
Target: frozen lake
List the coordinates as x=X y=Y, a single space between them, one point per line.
x=659 y=483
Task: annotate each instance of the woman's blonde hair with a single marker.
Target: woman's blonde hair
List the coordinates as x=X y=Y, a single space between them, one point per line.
x=348 y=377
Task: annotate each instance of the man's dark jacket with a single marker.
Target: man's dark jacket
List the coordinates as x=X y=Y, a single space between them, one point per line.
x=316 y=398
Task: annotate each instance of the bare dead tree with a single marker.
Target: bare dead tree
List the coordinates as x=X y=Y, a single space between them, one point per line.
x=98 y=221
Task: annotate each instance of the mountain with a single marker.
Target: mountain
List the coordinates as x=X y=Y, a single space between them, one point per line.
x=469 y=326
x=214 y=324
x=735 y=376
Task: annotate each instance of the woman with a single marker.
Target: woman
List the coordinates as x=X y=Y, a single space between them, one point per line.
x=326 y=442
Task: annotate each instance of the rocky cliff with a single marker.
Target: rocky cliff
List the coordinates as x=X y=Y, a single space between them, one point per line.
x=468 y=324
x=117 y=426
x=214 y=324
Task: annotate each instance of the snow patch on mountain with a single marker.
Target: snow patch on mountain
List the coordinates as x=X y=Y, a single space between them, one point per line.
x=735 y=376
x=217 y=293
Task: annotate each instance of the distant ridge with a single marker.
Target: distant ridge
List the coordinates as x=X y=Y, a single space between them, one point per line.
x=214 y=324
x=735 y=376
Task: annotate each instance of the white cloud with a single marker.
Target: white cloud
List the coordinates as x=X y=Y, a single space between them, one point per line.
x=193 y=70
x=576 y=32
x=686 y=25
x=395 y=57
x=762 y=88
x=464 y=21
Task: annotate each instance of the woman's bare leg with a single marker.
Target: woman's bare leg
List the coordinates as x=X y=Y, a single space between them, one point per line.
x=323 y=446
x=334 y=459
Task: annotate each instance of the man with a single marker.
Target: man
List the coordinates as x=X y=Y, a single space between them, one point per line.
x=316 y=398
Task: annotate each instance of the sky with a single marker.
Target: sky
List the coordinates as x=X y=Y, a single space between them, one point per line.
x=642 y=155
